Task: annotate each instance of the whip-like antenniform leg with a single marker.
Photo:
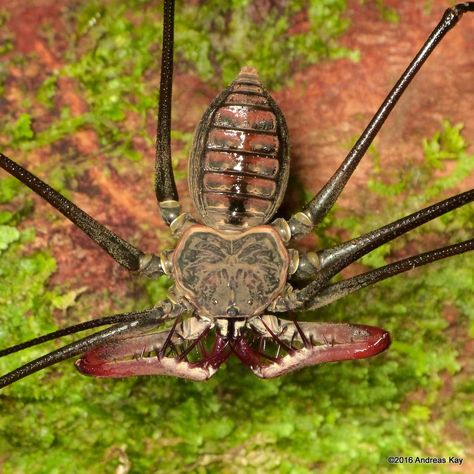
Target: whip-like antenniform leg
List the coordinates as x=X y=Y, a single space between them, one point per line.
x=165 y=186
x=317 y=291
x=331 y=261
x=120 y=250
x=131 y=322
x=105 y=321
x=315 y=296
x=313 y=213
x=338 y=290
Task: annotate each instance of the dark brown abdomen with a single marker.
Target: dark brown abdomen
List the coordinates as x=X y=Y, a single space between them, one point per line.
x=239 y=164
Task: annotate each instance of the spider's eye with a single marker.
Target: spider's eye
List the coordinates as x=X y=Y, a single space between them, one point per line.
x=250 y=302
x=214 y=301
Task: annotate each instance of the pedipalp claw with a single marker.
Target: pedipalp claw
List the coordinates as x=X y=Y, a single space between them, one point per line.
x=327 y=343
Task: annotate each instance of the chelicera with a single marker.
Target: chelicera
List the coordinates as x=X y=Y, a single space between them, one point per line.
x=234 y=268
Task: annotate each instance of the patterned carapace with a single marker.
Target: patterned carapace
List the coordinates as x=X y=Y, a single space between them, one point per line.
x=232 y=275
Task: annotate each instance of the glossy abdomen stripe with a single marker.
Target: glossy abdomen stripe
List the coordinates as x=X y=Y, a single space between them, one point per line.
x=239 y=164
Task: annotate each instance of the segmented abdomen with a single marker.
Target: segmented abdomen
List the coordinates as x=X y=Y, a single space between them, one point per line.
x=239 y=164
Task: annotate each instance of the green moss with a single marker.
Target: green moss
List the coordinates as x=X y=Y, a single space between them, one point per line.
x=345 y=417
x=389 y=14
x=220 y=37
x=115 y=50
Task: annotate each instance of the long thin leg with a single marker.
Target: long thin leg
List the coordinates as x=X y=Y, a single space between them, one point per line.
x=94 y=323
x=314 y=211
x=86 y=344
x=333 y=260
x=345 y=287
x=120 y=250
x=165 y=186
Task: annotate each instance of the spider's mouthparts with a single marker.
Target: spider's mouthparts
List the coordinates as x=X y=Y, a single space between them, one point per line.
x=266 y=352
